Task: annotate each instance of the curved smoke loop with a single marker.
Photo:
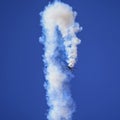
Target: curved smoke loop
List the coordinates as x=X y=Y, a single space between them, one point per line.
x=60 y=42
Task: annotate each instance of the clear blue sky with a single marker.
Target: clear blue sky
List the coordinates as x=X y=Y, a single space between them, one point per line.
x=96 y=86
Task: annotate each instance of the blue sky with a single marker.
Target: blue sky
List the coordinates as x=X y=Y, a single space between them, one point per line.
x=95 y=88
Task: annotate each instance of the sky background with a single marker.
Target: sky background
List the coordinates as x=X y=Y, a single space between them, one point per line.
x=96 y=86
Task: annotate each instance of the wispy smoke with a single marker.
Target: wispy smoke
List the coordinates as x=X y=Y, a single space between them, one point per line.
x=60 y=46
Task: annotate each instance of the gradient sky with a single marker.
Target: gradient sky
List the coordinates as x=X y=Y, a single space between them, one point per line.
x=96 y=86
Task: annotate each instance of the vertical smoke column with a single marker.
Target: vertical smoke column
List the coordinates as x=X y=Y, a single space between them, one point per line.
x=60 y=47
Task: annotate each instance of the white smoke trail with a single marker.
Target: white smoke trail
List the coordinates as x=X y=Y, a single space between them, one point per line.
x=60 y=41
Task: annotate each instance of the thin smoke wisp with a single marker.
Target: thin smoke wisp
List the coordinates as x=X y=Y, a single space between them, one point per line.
x=60 y=54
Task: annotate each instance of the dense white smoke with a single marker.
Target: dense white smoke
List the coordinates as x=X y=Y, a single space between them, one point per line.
x=60 y=46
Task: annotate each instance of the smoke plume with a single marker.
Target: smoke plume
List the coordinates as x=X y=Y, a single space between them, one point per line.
x=60 y=54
